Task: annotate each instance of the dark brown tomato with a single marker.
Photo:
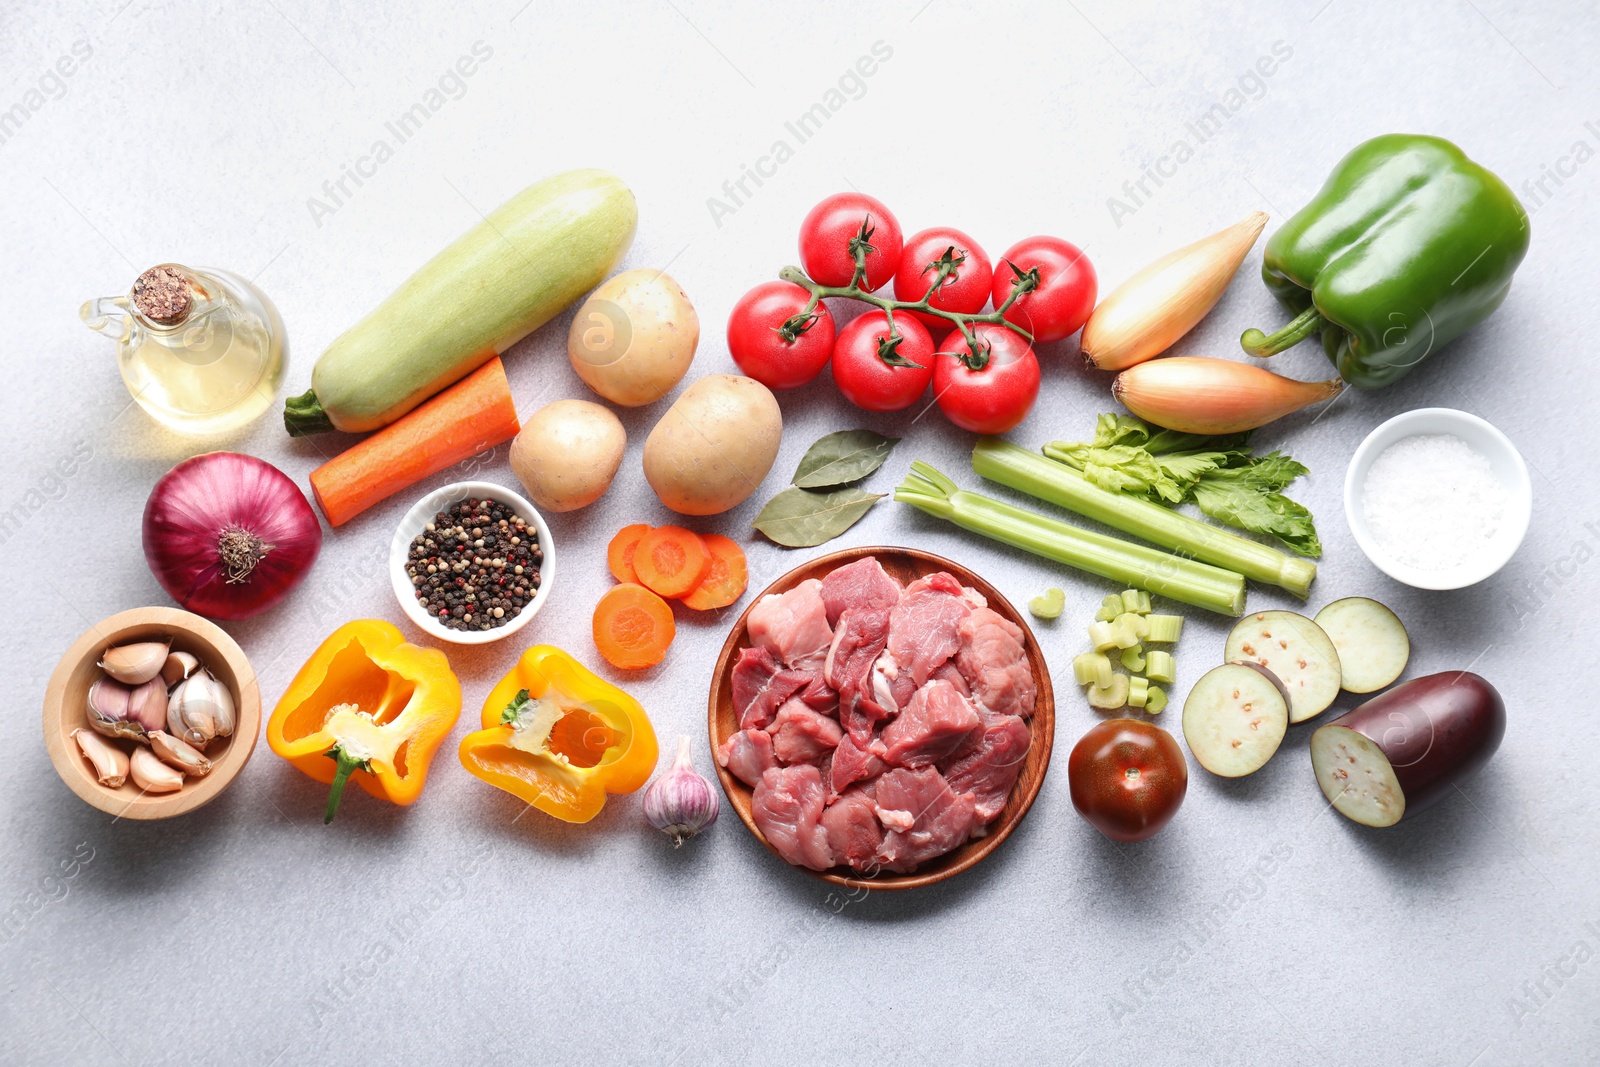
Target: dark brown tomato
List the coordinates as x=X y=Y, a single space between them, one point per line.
x=1127 y=778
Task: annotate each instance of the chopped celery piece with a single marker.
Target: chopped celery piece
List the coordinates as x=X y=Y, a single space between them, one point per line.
x=1155 y=700
x=1133 y=658
x=1135 y=623
x=1110 y=608
x=1102 y=637
x=1124 y=632
x=1092 y=668
x=1163 y=628
x=1048 y=604
x=1176 y=577
x=1138 y=692
x=1160 y=667
x=1136 y=601
x=1109 y=697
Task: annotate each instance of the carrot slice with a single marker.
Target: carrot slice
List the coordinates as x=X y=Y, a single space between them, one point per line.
x=619 y=553
x=472 y=415
x=670 y=560
x=725 y=579
x=632 y=627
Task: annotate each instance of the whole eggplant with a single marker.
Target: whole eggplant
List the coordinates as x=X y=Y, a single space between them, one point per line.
x=1401 y=751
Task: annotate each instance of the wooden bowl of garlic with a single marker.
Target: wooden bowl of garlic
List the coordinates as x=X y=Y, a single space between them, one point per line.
x=151 y=713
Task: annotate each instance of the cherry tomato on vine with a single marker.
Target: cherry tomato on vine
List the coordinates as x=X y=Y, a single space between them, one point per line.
x=994 y=397
x=966 y=286
x=874 y=371
x=833 y=229
x=1127 y=778
x=772 y=339
x=1060 y=304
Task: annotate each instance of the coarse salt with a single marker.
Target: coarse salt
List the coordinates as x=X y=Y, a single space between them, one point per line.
x=1433 y=502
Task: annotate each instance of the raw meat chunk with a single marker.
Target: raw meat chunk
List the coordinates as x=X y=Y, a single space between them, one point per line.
x=924 y=625
x=747 y=755
x=995 y=664
x=854 y=833
x=857 y=643
x=936 y=721
x=855 y=763
x=924 y=817
x=987 y=763
x=761 y=685
x=787 y=808
x=801 y=735
x=862 y=584
x=793 y=624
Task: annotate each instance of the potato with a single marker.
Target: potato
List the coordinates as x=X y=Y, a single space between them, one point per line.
x=634 y=338
x=714 y=445
x=567 y=454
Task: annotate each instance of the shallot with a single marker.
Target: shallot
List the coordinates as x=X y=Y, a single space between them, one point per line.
x=1193 y=394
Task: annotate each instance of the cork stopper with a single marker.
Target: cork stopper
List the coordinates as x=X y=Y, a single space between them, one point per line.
x=162 y=295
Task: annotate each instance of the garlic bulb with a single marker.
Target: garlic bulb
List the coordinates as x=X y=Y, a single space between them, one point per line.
x=681 y=803
x=137 y=663
x=199 y=709
x=151 y=775
x=110 y=762
x=179 y=755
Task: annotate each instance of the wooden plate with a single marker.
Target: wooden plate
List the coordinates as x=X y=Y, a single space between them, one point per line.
x=905 y=564
x=66 y=702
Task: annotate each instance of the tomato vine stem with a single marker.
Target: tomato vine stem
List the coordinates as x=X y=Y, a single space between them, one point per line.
x=1024 y=282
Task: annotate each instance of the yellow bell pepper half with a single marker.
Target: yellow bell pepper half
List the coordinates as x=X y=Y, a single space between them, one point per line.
x=560 y=737
x=367 y=706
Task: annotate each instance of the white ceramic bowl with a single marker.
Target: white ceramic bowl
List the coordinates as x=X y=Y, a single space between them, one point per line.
x=417 y=519
x=1489 y=442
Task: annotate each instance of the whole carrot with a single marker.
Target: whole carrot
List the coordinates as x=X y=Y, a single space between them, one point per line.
x=474 y=414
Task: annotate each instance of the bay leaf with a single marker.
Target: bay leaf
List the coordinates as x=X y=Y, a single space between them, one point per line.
x=842 y=457
x=801 y=518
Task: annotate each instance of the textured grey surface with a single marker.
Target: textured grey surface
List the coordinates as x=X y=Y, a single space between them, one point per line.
x=448 y=932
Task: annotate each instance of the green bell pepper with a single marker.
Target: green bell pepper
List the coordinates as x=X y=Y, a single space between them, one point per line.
x=1408 y=244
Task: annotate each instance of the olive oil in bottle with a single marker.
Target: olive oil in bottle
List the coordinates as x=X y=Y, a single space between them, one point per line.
x=201 y=350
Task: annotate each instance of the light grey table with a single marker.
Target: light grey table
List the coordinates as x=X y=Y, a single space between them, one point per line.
x=452 y=931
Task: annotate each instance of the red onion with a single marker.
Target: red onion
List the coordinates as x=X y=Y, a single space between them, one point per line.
x=229 y=535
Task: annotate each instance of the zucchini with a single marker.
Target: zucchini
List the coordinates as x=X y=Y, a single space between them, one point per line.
x=495 y=284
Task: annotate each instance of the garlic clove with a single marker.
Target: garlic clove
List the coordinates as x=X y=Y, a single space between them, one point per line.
x=147 y=705
x=192 y=710
x=151 y=775
x=179 y=666
x=681 y=803
x=224 y=714
x=110 y=762
x=137 y=663
x=179 y=754
x=109 y=706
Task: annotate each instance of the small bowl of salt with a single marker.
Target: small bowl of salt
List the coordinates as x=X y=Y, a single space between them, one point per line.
x=1438 y=498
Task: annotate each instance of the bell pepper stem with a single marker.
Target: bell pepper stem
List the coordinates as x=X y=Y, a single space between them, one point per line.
x=1297 y=329
x=347 y=765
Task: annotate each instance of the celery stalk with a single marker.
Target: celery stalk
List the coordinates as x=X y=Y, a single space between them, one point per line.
x=1003 y=462
x=1162 y=573
x=1160 y=667
x=1155 y=700
x=1133 y=658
